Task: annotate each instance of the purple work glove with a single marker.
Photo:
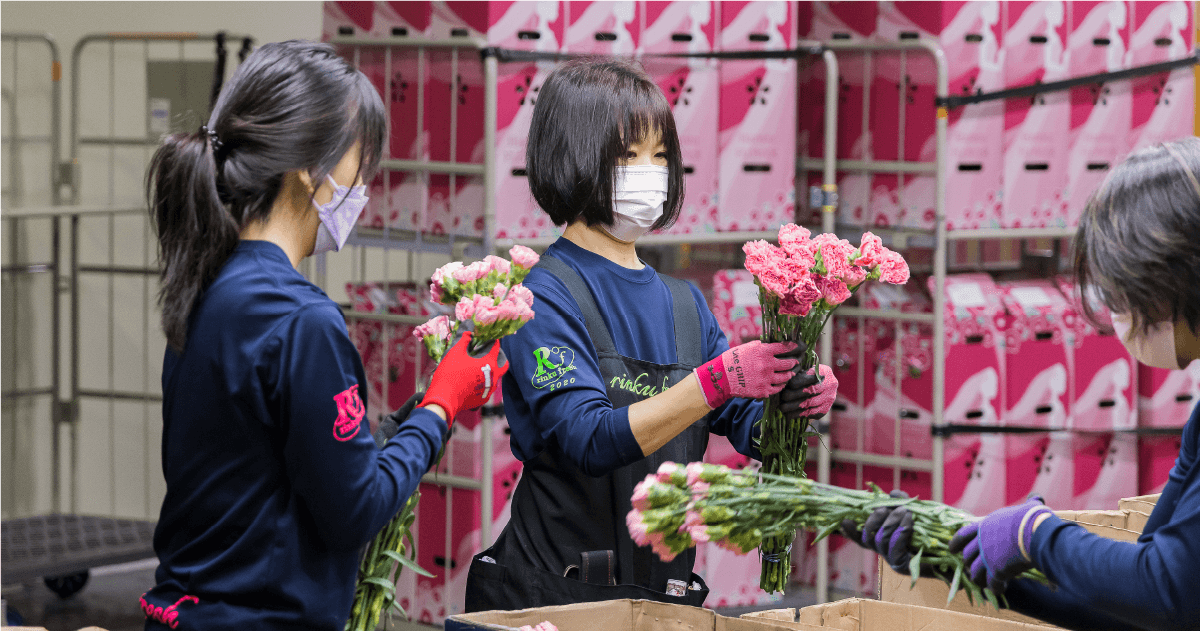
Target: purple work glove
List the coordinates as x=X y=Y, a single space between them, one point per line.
x=806 y=395
x=996 y=548
x=888 y=532
x=754 y=370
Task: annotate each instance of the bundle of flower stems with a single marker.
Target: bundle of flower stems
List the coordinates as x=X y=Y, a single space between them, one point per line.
x=680 y=506
x=488 y=297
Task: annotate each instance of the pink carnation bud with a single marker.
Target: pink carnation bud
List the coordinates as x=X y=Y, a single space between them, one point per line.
x=523 y=256
x=694 y=469
x=637 y=528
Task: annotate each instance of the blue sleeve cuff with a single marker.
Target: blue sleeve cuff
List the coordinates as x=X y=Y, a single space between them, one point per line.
x=628 y=449
x=1043 y=535
x=430 y=427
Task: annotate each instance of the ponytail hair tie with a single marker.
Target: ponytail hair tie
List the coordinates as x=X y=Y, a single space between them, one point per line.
x=212 y=137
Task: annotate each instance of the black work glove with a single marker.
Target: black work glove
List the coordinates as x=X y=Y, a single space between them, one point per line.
x=888 y=532
x=391 y=423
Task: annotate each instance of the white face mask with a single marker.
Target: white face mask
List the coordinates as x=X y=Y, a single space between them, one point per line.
x=1156 y=348
x=338 y=216
x=638 y=198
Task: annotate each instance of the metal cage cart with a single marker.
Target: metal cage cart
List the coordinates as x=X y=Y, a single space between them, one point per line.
x=103 y=394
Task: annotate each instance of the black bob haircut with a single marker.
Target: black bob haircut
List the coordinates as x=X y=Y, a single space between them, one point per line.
x=291 y=106
x=588 y=113
x=1136 y=249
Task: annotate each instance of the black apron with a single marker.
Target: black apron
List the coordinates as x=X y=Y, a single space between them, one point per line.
x=567 y=541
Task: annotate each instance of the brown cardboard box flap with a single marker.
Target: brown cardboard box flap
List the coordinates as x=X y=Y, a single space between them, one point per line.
x=931 y=592
x=857 y=614
x=787 y=615
x=1136 y=521
x=1143 y=503
x=1114 y=518
x=616 y=615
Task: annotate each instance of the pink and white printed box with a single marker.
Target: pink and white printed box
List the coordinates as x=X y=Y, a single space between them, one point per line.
x=975 y=472
x=602 y=28
x=970 y=34
x=1100 y=113
x=899 y=418
x=974 y=315
x=757 y=177
x=535 y=26
x=1163 y=104
x=1036 y=383
x=1156 y=458
x=693 y=87
x=822 y=22
x=1102 y=392
x=1036 y=129
x=1166 y=398
x=735 y=305
x=1105 y=470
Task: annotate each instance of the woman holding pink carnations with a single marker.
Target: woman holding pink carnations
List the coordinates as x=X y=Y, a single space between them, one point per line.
x=623 y=368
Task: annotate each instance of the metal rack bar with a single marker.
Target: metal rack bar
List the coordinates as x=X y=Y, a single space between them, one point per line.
x=873 y=166
x=886 y=314
x=897 y=462
x=429 y=166
x=1010 y=233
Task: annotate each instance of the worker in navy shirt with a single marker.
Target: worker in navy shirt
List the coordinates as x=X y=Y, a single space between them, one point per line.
x=274 y=482
x=623 y=368
x=1136 y=251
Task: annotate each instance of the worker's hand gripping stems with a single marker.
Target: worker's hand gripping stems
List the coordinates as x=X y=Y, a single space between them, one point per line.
x=754 y=370
x=464 y=380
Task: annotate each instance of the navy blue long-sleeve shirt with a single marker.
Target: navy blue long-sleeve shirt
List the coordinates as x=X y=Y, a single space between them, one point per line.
x=274 y=483
x=1103 y=584
x=574 y=410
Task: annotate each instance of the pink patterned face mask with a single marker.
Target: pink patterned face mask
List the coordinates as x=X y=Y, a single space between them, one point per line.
x=1156 y=348
x=338 y=216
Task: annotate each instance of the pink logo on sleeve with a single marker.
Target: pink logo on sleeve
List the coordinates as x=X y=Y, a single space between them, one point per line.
x=350 y=413
x=169 y=615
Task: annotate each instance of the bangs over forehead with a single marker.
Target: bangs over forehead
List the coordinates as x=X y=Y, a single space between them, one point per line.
x=642 y=114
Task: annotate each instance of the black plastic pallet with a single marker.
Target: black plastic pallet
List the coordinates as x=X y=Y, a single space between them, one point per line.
x=59 y=545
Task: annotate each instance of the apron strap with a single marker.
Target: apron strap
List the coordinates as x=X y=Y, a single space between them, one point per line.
x=592 y=319
x=689 y=343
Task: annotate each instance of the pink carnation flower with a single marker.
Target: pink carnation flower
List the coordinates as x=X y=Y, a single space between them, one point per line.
x=854 y=276
x=523 y=256
x=499 y=265
x=499 y=290
x=800 y=300
x=637 y=528
x=472 y=272
x=893 y=269
x=698 y=533
x=520 y=293
x=641 y=493
x=773 y=280
x=761 y=256
x=659 y=545
x=694 y=469
x=835 y=254
x=833 y=291
x=794 y=239
x=438 y=327
x=446 y=271
x=870 y=251
x=699 y=488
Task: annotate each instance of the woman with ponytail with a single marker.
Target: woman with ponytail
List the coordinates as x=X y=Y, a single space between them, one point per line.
x=274 y=483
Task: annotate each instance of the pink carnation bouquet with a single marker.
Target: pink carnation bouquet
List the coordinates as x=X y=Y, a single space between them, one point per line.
x=488 y=295
x=801 y=282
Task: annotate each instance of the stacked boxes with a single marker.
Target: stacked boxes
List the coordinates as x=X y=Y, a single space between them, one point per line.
x=1036 y=381
x=1163 y=104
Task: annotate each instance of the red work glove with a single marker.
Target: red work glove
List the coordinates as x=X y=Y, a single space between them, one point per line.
x=464 y=381
x=750 y=370
x=805 y=395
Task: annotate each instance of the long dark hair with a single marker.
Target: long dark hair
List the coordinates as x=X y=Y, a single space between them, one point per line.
x=588 y=113
x=1136 y=246
x=290 y=106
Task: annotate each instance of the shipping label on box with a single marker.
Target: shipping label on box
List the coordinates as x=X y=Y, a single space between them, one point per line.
x=973 y=316
x=602 y=28
x=1036 y=129
x=1100 y=113
x=1036 y=377
x=757 y=139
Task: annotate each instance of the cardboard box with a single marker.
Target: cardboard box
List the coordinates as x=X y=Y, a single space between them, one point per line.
x=973 y=319
x=855 y=614
x=1100 y=113
x=1101 y=371
x=602 y=28
x=1036 y=129
x=1036 y=379
x=970 y=34
x=843 y=21
x=1163 y=104
x=735 y=305
x=693 y=87
x=1166 y=397
x=613 y=615
x=757 y=141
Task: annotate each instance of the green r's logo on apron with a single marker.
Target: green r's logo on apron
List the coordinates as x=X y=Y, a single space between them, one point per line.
x=552 y=364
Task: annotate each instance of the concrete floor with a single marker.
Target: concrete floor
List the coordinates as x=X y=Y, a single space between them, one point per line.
x=110 y=601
